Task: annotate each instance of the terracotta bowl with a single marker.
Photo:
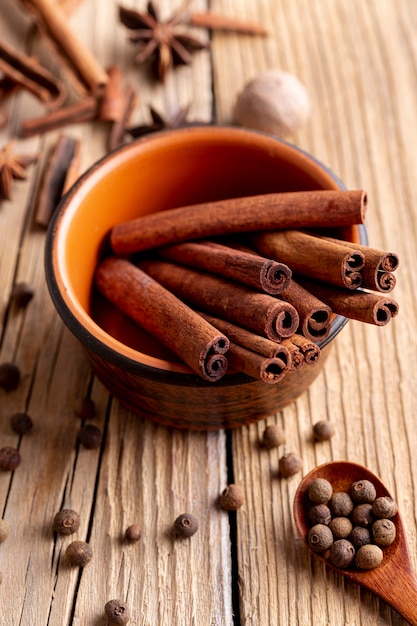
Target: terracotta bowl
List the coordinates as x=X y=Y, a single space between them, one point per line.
x=164 y=171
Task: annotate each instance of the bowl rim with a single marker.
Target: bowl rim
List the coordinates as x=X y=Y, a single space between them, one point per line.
x=175 y=372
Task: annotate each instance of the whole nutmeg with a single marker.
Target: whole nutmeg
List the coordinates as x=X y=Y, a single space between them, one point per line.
x=78 y=553
x=117 y=612
x=66 y=522
x=273 y=437
x=231 y=498
x=185 y=525
x=274 y=102
x=289 y=464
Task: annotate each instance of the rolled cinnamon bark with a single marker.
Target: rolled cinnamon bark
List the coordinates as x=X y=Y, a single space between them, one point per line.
x=314 y=314
x=271 y=371
x=297 y=357
x=360 y=305
x=300 y=209
x=156 y=309
x=310 y=350
x=249 y=269
x=259 y=312
x=316 y=257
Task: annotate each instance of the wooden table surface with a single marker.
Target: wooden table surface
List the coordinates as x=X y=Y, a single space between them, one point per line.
x=358 y=61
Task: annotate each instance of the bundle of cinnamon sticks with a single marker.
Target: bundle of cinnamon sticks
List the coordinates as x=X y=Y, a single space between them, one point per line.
x=259 y=302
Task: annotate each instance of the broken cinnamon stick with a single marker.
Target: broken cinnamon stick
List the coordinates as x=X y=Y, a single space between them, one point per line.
x=53 y=180
x=323 y=208
x=214 y=21
x=360 y=305
x=163 y=315
x=20 y=69
x=249 y=269
x=315 y=257
x=52 y=22
x=256 y=311
x=81 y=111
x=315 y=315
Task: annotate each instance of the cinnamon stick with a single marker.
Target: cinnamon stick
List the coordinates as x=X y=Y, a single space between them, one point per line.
x=81 y=111
x=315 y=315
x=163 y=315
x=259 y=312
x=53 y=180
x=73 y=169
x=214 y=21
x=20 y=69
x=112 y=103
x=323 y=208
x=52 y=22
x=316 y=257
x=360 y=305
x=118 y=128
x=269 y=370
x=297 y=357
x=249 y=269
x=310 y=350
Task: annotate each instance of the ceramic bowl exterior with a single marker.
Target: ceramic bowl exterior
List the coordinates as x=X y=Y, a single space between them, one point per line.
x=163 y=171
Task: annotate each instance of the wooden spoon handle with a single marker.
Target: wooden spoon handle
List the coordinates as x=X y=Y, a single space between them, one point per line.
x=399 y=590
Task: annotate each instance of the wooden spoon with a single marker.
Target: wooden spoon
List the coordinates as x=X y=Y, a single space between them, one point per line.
x=394 y=580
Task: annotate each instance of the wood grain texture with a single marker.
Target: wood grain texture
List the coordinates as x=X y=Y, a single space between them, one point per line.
x=358 y=61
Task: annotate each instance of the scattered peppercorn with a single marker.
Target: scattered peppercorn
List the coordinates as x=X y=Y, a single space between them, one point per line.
x=289 y=464
x=117 y=612
x=323 y=430
x=359 y=537
x=4 y=530
x=185 y=525
x=9 y=458
x=273 y=437
x=9 y=376
x=320 y=514
x=341 y=527
x=320 y=491
x=78 y=553
x=369 y=556
x=21 y=423
x=320 y=538
x=232 y=498
x=66 y=522
x=342 y=553
x=384 y=507
x=383 y=532
x=363 y=491
x=133 y=533
x=89 y=436
x=341 y=504
x=362 y=515
x=22 y=294
x=85 y=409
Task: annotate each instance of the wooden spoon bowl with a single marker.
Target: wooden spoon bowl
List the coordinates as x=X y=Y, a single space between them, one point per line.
x=394 y=580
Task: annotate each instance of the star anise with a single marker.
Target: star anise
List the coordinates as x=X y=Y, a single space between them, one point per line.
x=12 y=166
x=179 y=120
x=160 y=42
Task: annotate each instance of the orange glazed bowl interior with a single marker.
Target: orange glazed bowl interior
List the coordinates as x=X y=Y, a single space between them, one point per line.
x=163 y=171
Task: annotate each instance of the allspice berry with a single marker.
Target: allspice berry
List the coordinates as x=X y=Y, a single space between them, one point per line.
x=363 y=491
x=133 y=533
x=359 y=537
x=186 y=525
x=273 y=437
x=341 y=527
x=78 y=553
x=320 y=490
x=342 y=553
x=90 y=436
x=341 y=504
x=274 y=102
x=362 y=515
x=323 y=430
x=369 y=556
x=384 y=507
x=383 y=532
x=117 y=612
x=9 y=376
x=320 y=538
x=319 y=514
x=4 y=530
x=232 y=497
x=289 y=464
x=66 y=522
x=9 y=459
x=21 y=423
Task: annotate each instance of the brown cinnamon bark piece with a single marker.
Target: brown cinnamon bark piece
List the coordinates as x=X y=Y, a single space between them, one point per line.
x=314 y=314
x=315 y=257
x=301 y=209
x=270 y=370
x=297 y=357
x=259 y=312
x=310 y=350
x=81 y=111
x=249 y=269
x=162 y=314
x=360 y=305
x=216 y=21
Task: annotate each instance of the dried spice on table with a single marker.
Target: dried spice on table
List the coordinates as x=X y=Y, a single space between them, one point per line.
x=12 y=167
x=159 y=122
